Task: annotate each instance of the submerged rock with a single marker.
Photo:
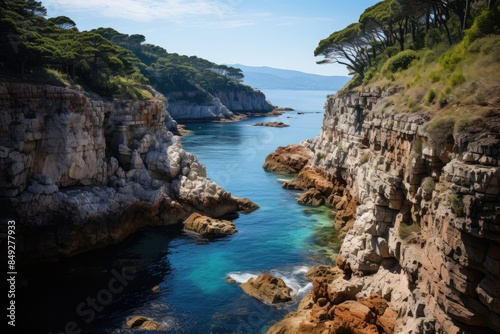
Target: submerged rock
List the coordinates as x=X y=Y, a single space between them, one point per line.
x=209 y=227
x=143 y=323
x=267 y=288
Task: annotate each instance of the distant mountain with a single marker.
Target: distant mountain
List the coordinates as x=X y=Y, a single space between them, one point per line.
x=274 y=78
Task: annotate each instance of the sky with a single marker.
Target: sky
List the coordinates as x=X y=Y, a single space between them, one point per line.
x=274 y=33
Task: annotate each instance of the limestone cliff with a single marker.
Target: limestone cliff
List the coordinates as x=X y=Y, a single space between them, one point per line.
x=425 y=235
x=78 y=172
x=221 y=105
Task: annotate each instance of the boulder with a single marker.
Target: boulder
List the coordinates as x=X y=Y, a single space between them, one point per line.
x=288 y=160
x=267 y=288
x=209 y=227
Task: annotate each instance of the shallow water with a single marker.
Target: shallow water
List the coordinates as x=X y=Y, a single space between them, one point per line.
x=282 y=238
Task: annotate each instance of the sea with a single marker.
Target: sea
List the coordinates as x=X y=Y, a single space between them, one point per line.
x=180 y=280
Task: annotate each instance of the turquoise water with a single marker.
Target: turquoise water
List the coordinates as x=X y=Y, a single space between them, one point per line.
x=281 y=237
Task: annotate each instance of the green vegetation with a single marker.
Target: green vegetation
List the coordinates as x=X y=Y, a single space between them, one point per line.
x=405 y=230
x=390 y=35
x=428 y=184
x=364 y=158
x=102 y=60
x=439 y=130
x=417 y=146
x=457 y=205
x=320 y=156
x=431 y=95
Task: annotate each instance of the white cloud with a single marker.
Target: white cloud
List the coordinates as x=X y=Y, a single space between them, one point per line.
x=143 y=10
x=215 y=14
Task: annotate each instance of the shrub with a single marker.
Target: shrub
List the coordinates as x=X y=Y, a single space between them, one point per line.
x=456 y=205
x=435 y=76
x=400 y=61
x=431 y=95
x=457 y=78
x=485 y=45
x=320 y=156
x=428 y=184
x=417 y=146
x=406 y=230
x=484 y=24
x=439 y=129
x=443 y=100
x=455 y=56
x=364 y=158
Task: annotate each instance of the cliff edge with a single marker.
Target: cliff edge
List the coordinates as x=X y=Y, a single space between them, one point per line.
x=418 y=206
x=78 y=172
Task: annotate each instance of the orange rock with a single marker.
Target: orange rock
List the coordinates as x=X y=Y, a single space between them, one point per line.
x=353 y=317
x=288 y=160
x=268 y=288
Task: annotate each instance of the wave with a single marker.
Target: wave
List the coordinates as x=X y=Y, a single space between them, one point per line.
x=294 y=277
x=241 y=277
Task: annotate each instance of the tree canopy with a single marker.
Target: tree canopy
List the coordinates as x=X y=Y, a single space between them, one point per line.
x=393 y=26
x=103 y=60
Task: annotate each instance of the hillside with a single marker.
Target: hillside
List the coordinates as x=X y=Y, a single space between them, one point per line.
x=273 y=78
x=408 y=158
x=106 y=62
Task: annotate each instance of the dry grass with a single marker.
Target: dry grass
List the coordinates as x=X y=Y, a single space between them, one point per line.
x=462 y=94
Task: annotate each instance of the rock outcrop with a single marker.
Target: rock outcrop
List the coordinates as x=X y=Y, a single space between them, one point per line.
x=288 y=160
x=267 y=288
x=272 y=124
x=244 y=101
x=143 y=323
x=78 y=173
x=419 y=213
x=222 y=105
x=209 y=227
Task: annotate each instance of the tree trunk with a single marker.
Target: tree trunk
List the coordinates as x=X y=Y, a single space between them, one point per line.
x=466 y=16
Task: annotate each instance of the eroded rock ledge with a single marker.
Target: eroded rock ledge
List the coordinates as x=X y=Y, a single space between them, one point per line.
x=424 y=221
x=78 y=173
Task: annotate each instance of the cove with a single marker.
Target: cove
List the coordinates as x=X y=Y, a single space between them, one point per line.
x=282 y=238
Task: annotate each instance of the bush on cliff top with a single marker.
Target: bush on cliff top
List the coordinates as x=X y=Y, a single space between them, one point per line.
x=390 y=34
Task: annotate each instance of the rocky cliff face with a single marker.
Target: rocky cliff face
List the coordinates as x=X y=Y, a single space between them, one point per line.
x=245 y=101
x=426 y=234
x=77 y=173
x=221 y=105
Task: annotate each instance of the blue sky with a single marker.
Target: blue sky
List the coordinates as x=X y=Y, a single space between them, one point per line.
x=275 y=33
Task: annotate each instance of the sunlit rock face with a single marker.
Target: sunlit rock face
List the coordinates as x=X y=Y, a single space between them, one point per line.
x=77 y=172
x=222 y=105
x=425 y=227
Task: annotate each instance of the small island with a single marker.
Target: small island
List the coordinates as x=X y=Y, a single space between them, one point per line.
x=272 y=124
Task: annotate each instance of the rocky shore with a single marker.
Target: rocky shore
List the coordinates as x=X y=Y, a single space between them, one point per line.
x=418 y=207
x=225 y=105
x=78 y=172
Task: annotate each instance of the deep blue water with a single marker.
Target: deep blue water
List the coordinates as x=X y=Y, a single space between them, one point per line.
x=281 y=237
